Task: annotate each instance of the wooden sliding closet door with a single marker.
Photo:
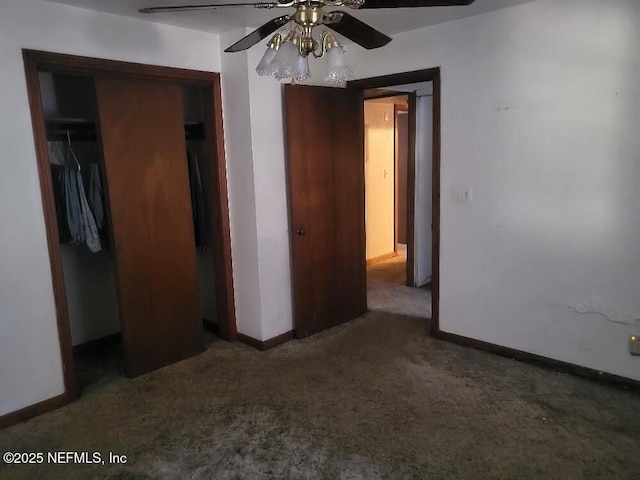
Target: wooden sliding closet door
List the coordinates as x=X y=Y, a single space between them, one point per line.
x=143 y=140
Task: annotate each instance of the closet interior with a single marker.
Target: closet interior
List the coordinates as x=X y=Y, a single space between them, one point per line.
x=97 y=281
x=200 y=168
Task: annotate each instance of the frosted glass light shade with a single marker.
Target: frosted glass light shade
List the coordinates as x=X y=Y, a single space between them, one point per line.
x=263 y=66
x=303 y=68
x=285 y=62
x=337 y=69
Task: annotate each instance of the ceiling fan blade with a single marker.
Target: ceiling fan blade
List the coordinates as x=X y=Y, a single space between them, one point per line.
x=184 y=8
x=263 y=32
x=356 y=30
x=369 y=4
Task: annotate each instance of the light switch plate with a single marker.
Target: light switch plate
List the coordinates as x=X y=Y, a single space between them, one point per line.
x=634 y=345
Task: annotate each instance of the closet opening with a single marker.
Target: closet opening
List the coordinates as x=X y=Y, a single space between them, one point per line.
x=77 y=175
x=199 y=166
x=133 y=177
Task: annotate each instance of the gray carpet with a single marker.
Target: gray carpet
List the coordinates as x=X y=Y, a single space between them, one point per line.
x=387 y=290
x=375 y=398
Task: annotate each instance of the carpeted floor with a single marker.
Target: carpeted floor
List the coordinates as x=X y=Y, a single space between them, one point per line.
x=374 y=398
x=387 y=290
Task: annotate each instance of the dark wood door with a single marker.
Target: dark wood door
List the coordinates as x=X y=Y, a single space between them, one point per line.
x=325 y=159
x=143 y=140
x=402 y=156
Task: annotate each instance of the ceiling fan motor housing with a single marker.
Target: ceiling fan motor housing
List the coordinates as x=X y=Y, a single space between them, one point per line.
x=308 y=15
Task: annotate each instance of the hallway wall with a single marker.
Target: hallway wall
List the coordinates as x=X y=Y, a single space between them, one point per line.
x=379 y=170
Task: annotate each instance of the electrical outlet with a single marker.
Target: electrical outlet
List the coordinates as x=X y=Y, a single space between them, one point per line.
x=634 y=345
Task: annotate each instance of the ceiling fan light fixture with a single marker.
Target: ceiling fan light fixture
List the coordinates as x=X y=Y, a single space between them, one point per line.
x=303 y=68
x=285 y=63
x=338 y=72
x=288 y=58
x=272 y=49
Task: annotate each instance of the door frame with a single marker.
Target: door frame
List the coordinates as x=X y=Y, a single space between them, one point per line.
x=419 y=76
x=38 y=61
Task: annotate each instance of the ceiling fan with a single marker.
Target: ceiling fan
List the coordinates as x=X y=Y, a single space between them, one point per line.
x=288 y=57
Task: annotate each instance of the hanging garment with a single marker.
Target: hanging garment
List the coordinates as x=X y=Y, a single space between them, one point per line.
x=72 y=207
x=82 y=225
x=95 y=195
x=56 y=152
x=197 y=201
x=57 y=178
x=91 y=236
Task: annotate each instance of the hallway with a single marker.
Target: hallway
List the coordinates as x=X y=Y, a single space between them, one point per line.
x=387 y=290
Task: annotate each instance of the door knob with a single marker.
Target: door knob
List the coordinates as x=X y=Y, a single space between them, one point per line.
x=300 y=231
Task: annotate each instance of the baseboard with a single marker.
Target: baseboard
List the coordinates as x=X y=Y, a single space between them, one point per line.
x=266 y=344
x=546 y=362
x=33 y=410
x=382 y=258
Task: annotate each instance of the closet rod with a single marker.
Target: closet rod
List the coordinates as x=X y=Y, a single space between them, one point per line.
x=79 y=129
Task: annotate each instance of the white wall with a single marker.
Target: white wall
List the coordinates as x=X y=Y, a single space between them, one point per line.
x=540 y=115
x=92 y=300
x=271 y=200
x=237 y=132
x=379 y=169
x=257 y=194
x=30 y=362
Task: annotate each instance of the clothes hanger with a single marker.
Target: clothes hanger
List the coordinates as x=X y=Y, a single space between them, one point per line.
x=70 y=151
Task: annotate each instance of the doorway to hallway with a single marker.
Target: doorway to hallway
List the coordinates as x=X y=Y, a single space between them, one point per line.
x=398 y=159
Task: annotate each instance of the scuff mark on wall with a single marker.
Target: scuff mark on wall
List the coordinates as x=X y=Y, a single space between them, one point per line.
x=599 y=306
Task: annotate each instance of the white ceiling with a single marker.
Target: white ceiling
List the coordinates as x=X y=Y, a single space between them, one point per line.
x=389 y=21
